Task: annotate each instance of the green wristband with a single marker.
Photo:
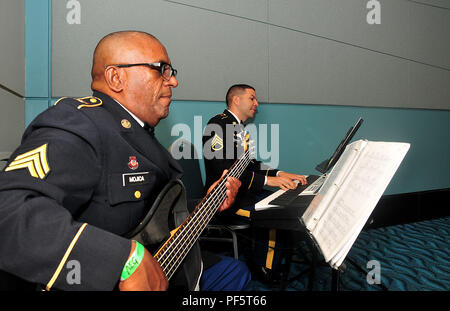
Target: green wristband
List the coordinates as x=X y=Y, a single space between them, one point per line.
x=133 y=262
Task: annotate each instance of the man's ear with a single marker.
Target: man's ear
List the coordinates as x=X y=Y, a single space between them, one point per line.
x=235 y=100
x=113 y=78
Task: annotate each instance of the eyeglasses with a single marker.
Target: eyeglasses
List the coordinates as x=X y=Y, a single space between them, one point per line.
x=166 y=70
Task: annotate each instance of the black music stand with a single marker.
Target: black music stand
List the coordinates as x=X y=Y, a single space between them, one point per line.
x=337 y=274
x=291 y=223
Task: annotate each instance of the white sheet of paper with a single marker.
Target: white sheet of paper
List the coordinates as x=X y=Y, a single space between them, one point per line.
x=355 y=198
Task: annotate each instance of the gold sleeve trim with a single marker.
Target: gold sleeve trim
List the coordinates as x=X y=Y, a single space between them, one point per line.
x=270 y=250
x=251 y=181
x=243 y=213
x=64 y=259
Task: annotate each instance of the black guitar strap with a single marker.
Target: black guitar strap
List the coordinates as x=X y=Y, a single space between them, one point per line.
x=171 y=204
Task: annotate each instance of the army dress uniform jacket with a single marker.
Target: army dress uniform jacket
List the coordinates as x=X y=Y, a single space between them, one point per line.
x=223 y=132
x=82 y=177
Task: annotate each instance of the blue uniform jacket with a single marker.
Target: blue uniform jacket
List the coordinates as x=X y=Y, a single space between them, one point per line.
x=222 y=144
x=82 y=177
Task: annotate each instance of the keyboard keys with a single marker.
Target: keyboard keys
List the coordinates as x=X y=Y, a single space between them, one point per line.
x=290 y=195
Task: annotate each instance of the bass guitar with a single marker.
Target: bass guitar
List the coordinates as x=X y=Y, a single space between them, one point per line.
x=169 y=210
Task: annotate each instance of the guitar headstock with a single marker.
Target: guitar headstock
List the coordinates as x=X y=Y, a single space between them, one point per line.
x=245 y=144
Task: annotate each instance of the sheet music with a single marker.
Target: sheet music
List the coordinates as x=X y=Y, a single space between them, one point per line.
x=352 y=203
x=337 y=259
x=332 y=184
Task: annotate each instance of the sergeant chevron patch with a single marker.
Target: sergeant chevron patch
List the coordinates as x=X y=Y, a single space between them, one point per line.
x=216 y=143
x=35 y=161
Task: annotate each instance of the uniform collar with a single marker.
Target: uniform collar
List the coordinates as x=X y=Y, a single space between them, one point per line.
x=141 y=123
x=237 y=119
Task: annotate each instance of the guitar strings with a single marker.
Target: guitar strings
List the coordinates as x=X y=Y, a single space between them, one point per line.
x=193 y=234
x=216 y=196
x=198 y=216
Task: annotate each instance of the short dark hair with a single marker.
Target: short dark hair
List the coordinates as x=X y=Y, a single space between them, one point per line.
x=236 y=89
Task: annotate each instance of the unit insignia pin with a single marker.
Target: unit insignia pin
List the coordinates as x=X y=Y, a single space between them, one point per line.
x=133 y=163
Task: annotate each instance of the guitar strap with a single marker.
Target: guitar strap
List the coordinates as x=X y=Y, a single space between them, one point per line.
x=171 y=203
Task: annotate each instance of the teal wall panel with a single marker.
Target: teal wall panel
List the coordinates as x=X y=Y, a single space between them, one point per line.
x=37 y=48
x=308 y=134
x=33 y=107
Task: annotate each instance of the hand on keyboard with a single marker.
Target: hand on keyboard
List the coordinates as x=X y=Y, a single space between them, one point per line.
x=294 y=177
x=286 y=181
x=282 y=182
x=289 y=196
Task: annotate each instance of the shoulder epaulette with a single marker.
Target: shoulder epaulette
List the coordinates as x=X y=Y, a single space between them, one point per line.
x=88 y=101
x=220 y=116
x=59 y=101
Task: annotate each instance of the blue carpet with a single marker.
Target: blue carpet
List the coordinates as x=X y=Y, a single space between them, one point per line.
x=411 y=257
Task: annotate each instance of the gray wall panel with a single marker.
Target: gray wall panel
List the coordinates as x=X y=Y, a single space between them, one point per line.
x=429 y=87
x=436 y=3
x=326 y=72
x=309 y=51
x=429 y=39
x=251 y=9
x=12 y=46
x=12 y=122
x=344 y=21
x=211 y=51
x=407 y=29
x=215 y=52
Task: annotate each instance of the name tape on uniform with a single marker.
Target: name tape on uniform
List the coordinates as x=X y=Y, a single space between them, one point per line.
x=133 y=179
